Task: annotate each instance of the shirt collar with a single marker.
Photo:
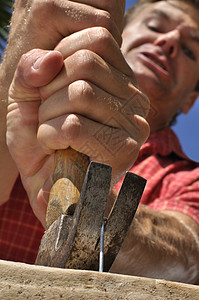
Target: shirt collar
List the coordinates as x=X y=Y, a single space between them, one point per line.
x=163 y=142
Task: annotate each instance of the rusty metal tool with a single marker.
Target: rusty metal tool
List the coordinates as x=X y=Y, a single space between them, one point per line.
x=76 y=213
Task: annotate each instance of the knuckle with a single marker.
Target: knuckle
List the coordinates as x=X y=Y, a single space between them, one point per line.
x=85 y=60
x=71 y=127
x=24 y=65
x=80 y=90
x=143 y=127
x=116 y=9
x=106 y=20
x=29 y=57
x=138 y=104
x=104 y=37
x=132 y=147
x=25 y=57
x=110 y=6
x=107 y=5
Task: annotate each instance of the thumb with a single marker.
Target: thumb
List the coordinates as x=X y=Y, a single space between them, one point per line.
x=35 y=69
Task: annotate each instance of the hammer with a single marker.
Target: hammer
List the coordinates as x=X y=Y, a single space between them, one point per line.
x=75 y=213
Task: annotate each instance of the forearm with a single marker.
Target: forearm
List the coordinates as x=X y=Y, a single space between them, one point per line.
x=159 y=245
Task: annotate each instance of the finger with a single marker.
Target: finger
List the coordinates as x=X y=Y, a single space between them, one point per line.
x=86 y=65
x=72 y=16
x=98 y=40
x=84 y=98
x=24 y=102
x=38 y=187
x=100 y=142
x=115 y=7
x=35 y=69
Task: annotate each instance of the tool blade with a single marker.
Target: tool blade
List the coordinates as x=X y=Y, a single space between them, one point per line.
x=83 y=254
x=121 y=217
x=70 y=241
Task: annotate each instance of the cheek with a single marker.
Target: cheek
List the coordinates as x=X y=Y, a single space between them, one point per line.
x=186 y=84
x=133 y=36
x=136 y=34
x=187 y=73
x=133 y=62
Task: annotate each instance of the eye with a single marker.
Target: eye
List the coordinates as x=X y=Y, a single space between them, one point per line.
x=188 y=53
x=153 y=28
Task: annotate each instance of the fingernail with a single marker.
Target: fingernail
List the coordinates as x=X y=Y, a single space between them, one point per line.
x=37 y=63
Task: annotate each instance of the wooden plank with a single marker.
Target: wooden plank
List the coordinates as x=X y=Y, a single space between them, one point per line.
x=23 y=281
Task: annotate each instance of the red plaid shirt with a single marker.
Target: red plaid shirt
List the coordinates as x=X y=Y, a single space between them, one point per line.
x=173 y=183
x=172 y=178
x=20 y=231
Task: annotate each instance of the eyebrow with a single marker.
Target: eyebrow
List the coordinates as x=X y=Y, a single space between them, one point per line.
x=160 y=13
x=194 y=35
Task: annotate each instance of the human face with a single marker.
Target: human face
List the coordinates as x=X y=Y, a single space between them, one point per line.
x=161 y=45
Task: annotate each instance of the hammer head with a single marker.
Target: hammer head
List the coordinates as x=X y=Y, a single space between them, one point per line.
x=72 y=240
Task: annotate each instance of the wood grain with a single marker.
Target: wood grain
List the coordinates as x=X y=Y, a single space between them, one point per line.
x=68 y=178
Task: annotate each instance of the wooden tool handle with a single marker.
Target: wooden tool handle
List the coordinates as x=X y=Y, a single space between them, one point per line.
x=68 y=178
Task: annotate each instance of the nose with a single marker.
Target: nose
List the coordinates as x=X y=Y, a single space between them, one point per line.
x=169 y=42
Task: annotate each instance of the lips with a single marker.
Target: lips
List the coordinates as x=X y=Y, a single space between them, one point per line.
x=159 y=62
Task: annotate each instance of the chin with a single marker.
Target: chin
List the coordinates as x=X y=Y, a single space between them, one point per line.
x=147 y=79
x=147 y=84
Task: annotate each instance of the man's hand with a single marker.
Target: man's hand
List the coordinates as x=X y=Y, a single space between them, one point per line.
x=86 y=99
x=42 y=24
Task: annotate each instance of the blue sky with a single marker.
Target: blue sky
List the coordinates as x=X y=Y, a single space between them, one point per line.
x=187 y=125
